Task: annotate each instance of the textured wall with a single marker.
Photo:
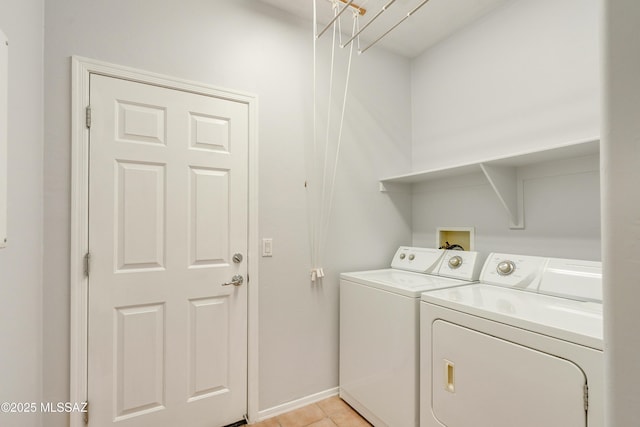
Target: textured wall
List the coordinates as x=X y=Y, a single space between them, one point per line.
x=247 y=46
x=523 y=77
x=21 y=261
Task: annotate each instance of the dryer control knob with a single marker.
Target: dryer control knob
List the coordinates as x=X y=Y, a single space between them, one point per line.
x=402 y=255
x=505 y=268
x=411 y=257
x=455 y=261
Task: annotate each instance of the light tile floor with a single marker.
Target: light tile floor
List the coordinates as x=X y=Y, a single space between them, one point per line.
x=331 y=412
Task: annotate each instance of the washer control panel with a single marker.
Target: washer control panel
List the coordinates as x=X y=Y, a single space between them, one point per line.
x=505 y=268
x=518 y=271
x=463 y=265
x=421 y=260
x=455 y=261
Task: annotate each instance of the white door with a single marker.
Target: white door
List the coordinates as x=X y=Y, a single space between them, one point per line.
x=167 y=342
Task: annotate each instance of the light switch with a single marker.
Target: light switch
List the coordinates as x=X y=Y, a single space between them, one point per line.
x=267 y=247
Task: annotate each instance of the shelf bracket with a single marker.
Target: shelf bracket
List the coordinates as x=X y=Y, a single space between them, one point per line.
x=509 y=188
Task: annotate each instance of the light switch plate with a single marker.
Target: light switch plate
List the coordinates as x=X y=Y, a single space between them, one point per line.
x=267 y=247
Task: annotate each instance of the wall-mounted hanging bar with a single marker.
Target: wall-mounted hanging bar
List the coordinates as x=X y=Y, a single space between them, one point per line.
x=361 y=10
x=346 y=6
x=385 y=7
x=394 y=27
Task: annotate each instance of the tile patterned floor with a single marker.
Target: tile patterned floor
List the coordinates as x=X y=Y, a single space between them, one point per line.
x=331 y=412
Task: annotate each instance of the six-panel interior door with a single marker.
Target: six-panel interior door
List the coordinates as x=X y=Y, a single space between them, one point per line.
x=167 y=342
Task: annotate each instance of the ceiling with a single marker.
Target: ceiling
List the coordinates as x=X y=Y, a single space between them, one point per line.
x=431 y=23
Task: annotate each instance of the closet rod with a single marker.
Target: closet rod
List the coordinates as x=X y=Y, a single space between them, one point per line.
x=394 y=27
x=369 y=23
x=361 y=10
x=346 y=6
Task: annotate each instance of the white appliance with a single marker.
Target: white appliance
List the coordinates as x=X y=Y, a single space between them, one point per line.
x=379 y=337
x=521 y=348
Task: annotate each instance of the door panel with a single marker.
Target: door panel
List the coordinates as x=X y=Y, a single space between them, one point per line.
x=167 y=209
x=208 y=347
x=141 y=123
x=210 y=133
x=209 y=232
x=140 y=221
x=139 y=364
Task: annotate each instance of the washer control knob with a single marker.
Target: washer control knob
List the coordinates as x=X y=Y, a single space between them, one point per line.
x=411 y=257
x=455 y=261
x=505 y=268
x=402 y=255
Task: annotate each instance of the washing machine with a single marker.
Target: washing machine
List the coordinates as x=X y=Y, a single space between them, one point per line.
x=523 y=347
x=379 y=330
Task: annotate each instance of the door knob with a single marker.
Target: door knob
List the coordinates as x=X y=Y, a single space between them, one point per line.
x=236 y=280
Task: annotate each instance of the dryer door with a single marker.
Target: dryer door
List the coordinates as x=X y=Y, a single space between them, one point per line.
x=480 y=380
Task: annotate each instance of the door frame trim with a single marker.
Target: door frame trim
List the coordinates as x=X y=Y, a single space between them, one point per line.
x=81 y=69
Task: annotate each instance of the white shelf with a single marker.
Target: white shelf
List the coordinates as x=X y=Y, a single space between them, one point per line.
x=502 y=174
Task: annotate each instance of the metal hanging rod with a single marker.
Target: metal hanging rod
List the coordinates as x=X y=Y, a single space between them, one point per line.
x=361 y=10
x=346 y=6
x=380 y=12
x=394 y=27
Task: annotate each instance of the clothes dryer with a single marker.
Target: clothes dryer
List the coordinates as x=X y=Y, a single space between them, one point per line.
x=521 y=348
x=379 y=337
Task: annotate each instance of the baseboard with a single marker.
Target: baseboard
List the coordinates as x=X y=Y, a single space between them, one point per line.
x=296 y=404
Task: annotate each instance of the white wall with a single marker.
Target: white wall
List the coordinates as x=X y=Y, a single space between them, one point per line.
x=21 y=261
x=621 y=210
x=524 y=77
x=247 y=46
x=532 y=65
x=561 y=211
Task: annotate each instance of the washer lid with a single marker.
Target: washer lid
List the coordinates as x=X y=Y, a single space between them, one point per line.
x=579 y=322
x=401 y=282
x=574 y=279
